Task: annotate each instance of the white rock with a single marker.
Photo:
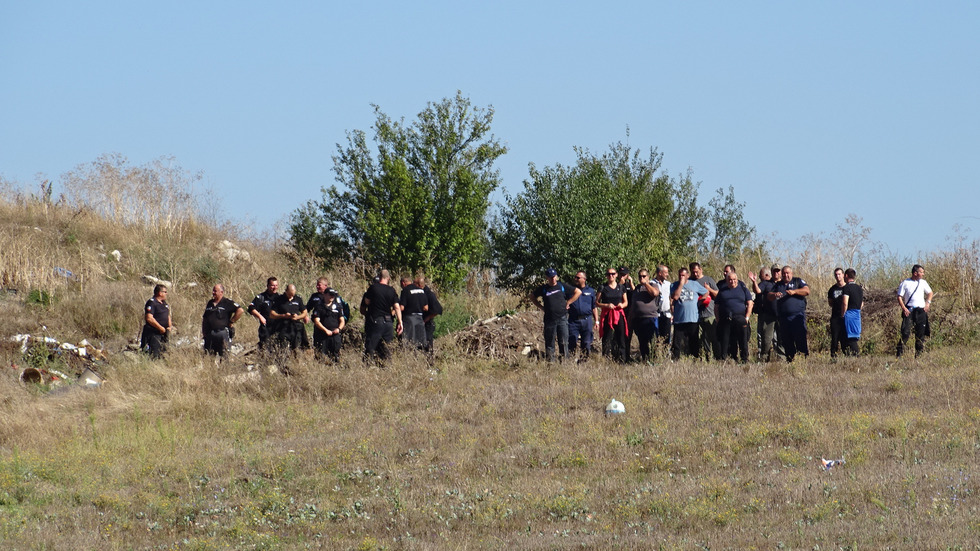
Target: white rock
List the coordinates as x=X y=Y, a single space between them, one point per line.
x=155 y=281
x=116 y=255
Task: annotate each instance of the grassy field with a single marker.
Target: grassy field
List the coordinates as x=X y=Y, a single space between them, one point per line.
x=476 y=454
x=461 y=452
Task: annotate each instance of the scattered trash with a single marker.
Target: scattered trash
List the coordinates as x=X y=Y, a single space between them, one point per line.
x=65 y=273
x=31 y=375
x=90 y=379
x=615 y=407
x=116 y=255
x=831 y=463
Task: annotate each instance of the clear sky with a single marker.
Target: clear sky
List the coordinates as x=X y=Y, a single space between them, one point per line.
x=810 y=110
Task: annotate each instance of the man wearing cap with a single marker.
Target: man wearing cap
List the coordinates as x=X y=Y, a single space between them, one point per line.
x=914 y=298
x=625 y=281
x=790 y=298
x=328 y=321
x=706 y=313
x=158 y=323
x=583 y=317
x=414 y=305
x=554 y=299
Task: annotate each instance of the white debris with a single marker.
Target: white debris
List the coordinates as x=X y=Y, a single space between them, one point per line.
x=233 y=253
x=156 y=281
x=116 y=255
x=615 y=407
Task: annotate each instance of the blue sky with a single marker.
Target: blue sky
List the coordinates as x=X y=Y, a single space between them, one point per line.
x=810 y=110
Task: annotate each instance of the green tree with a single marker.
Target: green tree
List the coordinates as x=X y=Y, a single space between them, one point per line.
x=732 y=234
x=419 y=203
x=606 y=210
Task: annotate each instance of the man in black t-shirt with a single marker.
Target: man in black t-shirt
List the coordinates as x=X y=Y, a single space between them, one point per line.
x=378 y=305
x=158 y=323
x=733 y=308
x=414 y=305
x=220 y=315
x=554 y=298
x=328 y=321
x=852 y=301
x=289 y=312
x=836 y=302
x=261 y=309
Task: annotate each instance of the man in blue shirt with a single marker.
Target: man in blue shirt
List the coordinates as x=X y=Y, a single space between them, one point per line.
x=790 y=294
x=583 y=317
x=733 y=307
x=684 y=295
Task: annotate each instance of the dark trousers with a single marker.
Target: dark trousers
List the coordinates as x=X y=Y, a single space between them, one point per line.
x=153 y=342
x=792 y=335
x=732 y=334
x=766 y=328
x=614 y=342
x=378 y=332
x=556 y=328
x=837 y=335
x=918 y=320
x=709 y=339
x=430 y=335
x=685 y=340
x=327 y=345
x=414 y=331
x=580 y=334
x=216 y=341
x=264 y=335
x=646 y=330
x=664 y=324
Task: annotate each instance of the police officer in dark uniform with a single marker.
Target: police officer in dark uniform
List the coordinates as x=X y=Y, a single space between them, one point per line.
x=261 y=308
x=583 y=317
x=790 y=295
x=378 y=305
x=414 y=304
x=289 y=313
x=435 y=309
x=217 y=324
x=316 y=299
x=328 y=321
x=158 y=323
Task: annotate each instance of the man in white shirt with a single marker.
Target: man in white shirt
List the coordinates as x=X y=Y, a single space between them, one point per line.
x=914 y=297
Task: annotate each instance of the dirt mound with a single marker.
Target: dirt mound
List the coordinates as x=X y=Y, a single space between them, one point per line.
x=502 y=337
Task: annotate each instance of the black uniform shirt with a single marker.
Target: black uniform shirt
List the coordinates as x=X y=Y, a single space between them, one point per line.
x=160 y=312
x=382 y=299
x=414 y=299
x=328 y=314
x=218 y=316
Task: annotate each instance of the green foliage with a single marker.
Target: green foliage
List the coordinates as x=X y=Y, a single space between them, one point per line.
x=39 y=297
x=732 y=232
x=420 y=204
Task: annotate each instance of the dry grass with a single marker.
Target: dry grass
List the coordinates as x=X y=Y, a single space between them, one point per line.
x=476 y=454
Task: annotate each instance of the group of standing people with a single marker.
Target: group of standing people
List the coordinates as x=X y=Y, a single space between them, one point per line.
x=695 y=316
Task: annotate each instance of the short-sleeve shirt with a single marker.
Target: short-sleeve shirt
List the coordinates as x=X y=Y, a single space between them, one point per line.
x=836 y=297
x=584 y=305
x=381 y=299
x=790 y=306
x=328 y=314
x=855 y=296
x=160 y=311
x=553 y=298
x=413 y=299
x=218 y=316
x=914 y=293
x=286 y=305
x=762 y=302
x=686 y=306
x=435 y=307
x=664 y=286
x=611 y=295
x=732 y=302
x=707 y=312
x=645 y=305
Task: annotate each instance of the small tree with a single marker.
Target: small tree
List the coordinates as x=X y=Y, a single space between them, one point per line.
x=420 y=203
